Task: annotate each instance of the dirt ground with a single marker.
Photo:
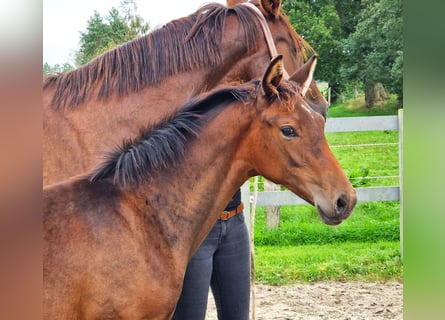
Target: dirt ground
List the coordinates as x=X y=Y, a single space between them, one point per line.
x=326 y=300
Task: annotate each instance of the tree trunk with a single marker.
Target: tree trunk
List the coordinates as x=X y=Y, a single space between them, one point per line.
x=272 y=212
x=374 y=93
x=380 y=94
x=369 y=95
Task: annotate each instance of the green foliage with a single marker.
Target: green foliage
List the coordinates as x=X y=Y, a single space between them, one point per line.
x=104 y=33
x=357 y=41
x=356 y=107
x=47 y=69
x=374 y=50
x=320 y=25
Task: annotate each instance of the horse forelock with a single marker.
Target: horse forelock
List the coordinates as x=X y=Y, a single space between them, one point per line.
x=179 y=46
x=287 y=97
x=164 y=144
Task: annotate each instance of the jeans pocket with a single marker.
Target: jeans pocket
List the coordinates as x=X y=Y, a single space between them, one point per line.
x=241 y=216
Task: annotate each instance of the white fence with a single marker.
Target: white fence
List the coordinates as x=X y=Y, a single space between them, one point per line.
x=366 y=194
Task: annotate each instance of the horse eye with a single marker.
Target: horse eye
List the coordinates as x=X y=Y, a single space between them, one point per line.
x=289 y=132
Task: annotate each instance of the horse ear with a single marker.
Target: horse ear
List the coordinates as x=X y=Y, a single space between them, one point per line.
x=304 y=75
x=231 y=3
x=273 y=76
x=271 y=7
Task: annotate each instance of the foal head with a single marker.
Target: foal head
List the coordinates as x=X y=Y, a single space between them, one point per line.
x=286 y=144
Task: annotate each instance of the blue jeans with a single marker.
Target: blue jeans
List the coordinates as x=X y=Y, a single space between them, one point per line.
x=222 y=262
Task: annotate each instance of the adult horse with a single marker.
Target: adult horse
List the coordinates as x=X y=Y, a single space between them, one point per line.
x=115 y=95
x=117 y=242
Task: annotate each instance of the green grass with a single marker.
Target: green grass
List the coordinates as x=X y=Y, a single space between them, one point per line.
x=364 y=261
x=366 y=246
x=367 y=165
x=356 y=108
x=301 y=225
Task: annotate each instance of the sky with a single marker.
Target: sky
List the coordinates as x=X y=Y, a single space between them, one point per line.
x=64 y=19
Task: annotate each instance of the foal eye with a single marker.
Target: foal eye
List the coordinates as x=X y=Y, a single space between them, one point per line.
x=289 y=132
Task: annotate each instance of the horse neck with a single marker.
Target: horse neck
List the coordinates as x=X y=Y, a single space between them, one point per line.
x=235 y=64
x=198 y=189
x=116 y=118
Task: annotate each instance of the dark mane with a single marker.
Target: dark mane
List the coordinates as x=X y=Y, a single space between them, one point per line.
x=164 y=145
x=193 y=41
x=179 y=46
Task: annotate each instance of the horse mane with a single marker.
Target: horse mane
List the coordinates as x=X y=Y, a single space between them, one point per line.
x=193 y=41
x=164 y=145
x=179 y=46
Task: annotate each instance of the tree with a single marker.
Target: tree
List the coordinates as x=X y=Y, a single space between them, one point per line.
x=375 y=49
x=318 y=23
x=325 y=24
x=47 y=69
x=104 y=33
x=357 y=41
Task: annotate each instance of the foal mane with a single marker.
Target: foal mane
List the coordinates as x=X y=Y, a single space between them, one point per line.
x=179 y=46
x=164 y=144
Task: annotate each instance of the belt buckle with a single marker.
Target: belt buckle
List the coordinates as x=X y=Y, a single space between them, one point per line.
x=224 y=215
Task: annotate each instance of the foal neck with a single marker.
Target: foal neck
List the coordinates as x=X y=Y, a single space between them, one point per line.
x=184 y=202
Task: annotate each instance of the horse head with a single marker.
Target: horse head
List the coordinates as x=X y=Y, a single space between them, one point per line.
x=289 y=146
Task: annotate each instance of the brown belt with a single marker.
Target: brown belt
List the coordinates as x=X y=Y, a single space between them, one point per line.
x=229 y=214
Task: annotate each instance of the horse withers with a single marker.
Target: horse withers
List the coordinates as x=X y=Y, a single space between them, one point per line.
x=117 y=241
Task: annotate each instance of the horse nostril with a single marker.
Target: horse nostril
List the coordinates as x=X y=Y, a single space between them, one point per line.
x=342 y=203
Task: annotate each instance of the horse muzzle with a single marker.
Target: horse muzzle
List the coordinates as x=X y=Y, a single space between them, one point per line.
x=339 y=210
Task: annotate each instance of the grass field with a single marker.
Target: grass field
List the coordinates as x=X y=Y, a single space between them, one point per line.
x=348 y=261
x=365 y=247
x=355 y=107
x=369 y=158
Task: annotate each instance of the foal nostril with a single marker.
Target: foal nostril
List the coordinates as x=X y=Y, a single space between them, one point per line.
x=342 y=204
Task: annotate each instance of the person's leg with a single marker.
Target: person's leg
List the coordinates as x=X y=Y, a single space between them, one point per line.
x=231 y=271
x=192 y=303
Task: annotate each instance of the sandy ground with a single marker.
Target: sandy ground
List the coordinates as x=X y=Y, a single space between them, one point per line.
x=326 y=300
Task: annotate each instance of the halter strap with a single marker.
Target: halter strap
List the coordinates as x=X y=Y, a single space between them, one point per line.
x=267 y=34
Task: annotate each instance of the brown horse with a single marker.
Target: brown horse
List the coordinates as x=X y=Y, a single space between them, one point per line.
x=117 y=242
x=115 y=95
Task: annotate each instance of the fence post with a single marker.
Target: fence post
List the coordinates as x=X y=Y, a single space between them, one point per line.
x=245 y=198
x=272 y=212
x=400 y=115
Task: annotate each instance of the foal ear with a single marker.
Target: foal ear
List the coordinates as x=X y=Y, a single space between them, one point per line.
x=231 y=3
x=273 y=76
x=304 y=75
x=272 y=7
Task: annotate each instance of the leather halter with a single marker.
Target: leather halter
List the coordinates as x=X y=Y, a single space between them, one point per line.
x=267 y=34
